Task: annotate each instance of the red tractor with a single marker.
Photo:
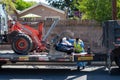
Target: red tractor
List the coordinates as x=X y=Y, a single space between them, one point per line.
x=23 y=38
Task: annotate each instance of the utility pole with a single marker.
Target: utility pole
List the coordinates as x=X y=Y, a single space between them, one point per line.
x=114 y=9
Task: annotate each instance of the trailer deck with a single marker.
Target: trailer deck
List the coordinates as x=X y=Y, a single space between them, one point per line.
x=43 y=58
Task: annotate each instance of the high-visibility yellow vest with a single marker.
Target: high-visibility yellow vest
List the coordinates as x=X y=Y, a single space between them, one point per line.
x=77 y=47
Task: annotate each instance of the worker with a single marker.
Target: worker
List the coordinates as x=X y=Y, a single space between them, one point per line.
x=79 y=48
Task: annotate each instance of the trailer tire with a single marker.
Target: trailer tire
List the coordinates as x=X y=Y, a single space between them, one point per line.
x=22 y=44
x=117 y=61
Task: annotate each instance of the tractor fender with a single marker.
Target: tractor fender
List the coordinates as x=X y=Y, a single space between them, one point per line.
x=12 y=35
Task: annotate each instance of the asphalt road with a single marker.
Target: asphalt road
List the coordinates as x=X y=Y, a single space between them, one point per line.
x=90 y=73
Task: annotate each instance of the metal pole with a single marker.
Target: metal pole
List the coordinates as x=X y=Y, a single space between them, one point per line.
x=114 y=10
x=51 y=28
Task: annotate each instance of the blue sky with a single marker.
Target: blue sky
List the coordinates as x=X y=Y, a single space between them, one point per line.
x=37 y=1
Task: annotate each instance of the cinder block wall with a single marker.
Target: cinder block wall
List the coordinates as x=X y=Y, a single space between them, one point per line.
x=90 y=32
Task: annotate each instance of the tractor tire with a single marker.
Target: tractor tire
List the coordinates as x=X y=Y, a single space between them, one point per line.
x=117 y=61
x=22 y=44
x=12 y=35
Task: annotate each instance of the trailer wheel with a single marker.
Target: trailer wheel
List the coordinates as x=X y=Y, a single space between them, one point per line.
x=117 y=61
x=22 y=44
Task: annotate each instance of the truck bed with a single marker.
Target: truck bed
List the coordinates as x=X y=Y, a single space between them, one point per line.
x=57 y=58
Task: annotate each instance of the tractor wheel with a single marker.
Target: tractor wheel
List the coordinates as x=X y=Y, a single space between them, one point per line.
x=22 y=44
x=12 y=35
x=117 y=61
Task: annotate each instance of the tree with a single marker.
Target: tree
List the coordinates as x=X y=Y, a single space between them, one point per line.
x=99 y=10
x=118 y=8
x=68 y=5
x=10 y=7
x=60 y=4
x=21 y=5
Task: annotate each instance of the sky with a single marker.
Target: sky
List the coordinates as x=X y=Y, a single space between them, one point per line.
x=43 y=1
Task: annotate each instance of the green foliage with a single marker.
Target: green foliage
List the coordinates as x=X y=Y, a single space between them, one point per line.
x=99 y=10
x=12 y=5
x=60 y=4
x=9 y=6
x=118 y=9
x=68 y=5
x=21 y=5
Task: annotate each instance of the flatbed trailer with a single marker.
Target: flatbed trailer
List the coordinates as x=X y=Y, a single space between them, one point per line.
x=24 y=39
x=42 y=59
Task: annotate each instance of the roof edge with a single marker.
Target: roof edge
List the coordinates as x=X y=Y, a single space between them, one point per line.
x=43 y=4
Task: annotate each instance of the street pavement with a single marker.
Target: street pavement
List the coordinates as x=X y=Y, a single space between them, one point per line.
x=89 y=73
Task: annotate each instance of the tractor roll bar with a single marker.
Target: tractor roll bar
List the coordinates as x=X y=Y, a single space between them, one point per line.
x=51 y=28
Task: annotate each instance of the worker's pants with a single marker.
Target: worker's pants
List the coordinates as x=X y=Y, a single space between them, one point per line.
x=81 y=64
